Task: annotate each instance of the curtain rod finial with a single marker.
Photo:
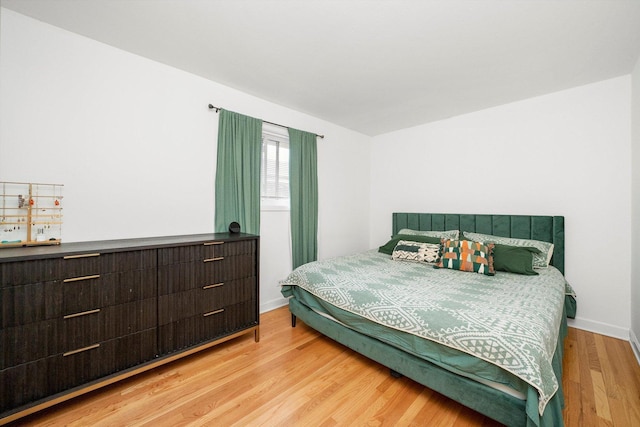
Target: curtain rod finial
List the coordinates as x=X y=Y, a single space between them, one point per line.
x=211 y=107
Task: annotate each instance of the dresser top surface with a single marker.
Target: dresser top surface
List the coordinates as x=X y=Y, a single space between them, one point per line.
x=64 y=249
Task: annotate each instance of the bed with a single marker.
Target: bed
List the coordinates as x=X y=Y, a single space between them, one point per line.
x=494 y=343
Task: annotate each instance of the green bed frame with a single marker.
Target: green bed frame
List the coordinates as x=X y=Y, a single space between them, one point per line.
x=497 y=405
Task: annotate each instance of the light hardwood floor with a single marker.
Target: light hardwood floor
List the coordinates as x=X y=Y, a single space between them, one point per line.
x=296 y=377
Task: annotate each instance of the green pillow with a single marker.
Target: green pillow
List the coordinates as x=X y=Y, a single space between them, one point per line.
x=388 y=247
x=514 y=259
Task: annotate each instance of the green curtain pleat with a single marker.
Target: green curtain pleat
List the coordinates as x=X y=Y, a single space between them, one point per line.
x=238 y=172
x=303 y=185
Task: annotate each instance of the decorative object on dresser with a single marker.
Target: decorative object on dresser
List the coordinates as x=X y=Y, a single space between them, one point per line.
x=234 y=227
x=31 y=214
x=79 y=316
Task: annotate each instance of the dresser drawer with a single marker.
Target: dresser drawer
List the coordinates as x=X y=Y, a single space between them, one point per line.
x=104 y=358
x=129 y=318
x=191 y=331
x=223 y=249
x=29 y=272
x=181 y=254
x=223 y=269
x=226 y=293
x=128 y=351
x=81 y=294
x=174 y=278
x=23 y=384
x=127 y=286
x=190 y=303
x=82 y=329
x=81 y=265
x=88 y=264
x=241 y=315
x=206 y=250
x=26 y=343
x=177 y=306
x=129 y=260
x=20 y=305
x=74 y=367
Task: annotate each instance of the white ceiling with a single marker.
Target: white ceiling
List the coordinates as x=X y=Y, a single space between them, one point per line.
x=371 y=66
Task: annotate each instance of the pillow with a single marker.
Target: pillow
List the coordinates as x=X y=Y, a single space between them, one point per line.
x=540 y=260
x=450 y=234
x=388 y=247
x=406 y=250
x=466 y=255
x=514 y=259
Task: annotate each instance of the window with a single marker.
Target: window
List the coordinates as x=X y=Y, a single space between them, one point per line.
x=274 y=179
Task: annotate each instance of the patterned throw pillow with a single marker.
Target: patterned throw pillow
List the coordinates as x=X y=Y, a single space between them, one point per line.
x=407 y=250
x=466 y=255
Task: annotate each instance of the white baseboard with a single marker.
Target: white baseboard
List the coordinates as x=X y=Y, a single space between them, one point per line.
x=273 y=304
x=599 y=328
x=635 y=345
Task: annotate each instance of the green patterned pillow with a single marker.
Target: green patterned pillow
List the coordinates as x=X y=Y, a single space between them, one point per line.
x=466 y=255
x=415 y=251
x=540 y=260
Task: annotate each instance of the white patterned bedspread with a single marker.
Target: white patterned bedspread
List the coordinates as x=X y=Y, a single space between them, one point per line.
x=509 y=320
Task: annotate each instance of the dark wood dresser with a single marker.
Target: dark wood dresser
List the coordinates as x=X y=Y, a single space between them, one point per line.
x=79 y=316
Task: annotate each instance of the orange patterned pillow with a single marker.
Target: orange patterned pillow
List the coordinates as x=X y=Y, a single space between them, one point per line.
x=466 y=255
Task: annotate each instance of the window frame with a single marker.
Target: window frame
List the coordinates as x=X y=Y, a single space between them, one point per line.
x=281 y=136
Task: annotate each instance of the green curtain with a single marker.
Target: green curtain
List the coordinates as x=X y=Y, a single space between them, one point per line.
x=238 y=172
x=303 y=185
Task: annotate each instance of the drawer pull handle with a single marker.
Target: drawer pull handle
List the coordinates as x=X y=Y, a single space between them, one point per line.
x=213 y=312
x=213 y=243
x=81 y=256
x=220 y=258
x=77 y=279
x=215 y=285
x=84 y=313
x=80 y=350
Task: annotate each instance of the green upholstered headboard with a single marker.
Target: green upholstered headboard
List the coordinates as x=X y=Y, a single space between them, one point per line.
x=536 y=227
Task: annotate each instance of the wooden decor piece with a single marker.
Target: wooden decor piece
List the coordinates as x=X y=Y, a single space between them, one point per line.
x=31 y=214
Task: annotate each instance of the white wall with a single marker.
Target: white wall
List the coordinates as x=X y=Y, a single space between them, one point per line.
x=635 y=209
x=562 y=154
x=134 y=144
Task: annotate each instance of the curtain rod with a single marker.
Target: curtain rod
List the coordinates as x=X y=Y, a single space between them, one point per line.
x=211 y=107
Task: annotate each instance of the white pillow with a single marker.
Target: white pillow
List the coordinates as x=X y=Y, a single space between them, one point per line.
x=450 y=234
